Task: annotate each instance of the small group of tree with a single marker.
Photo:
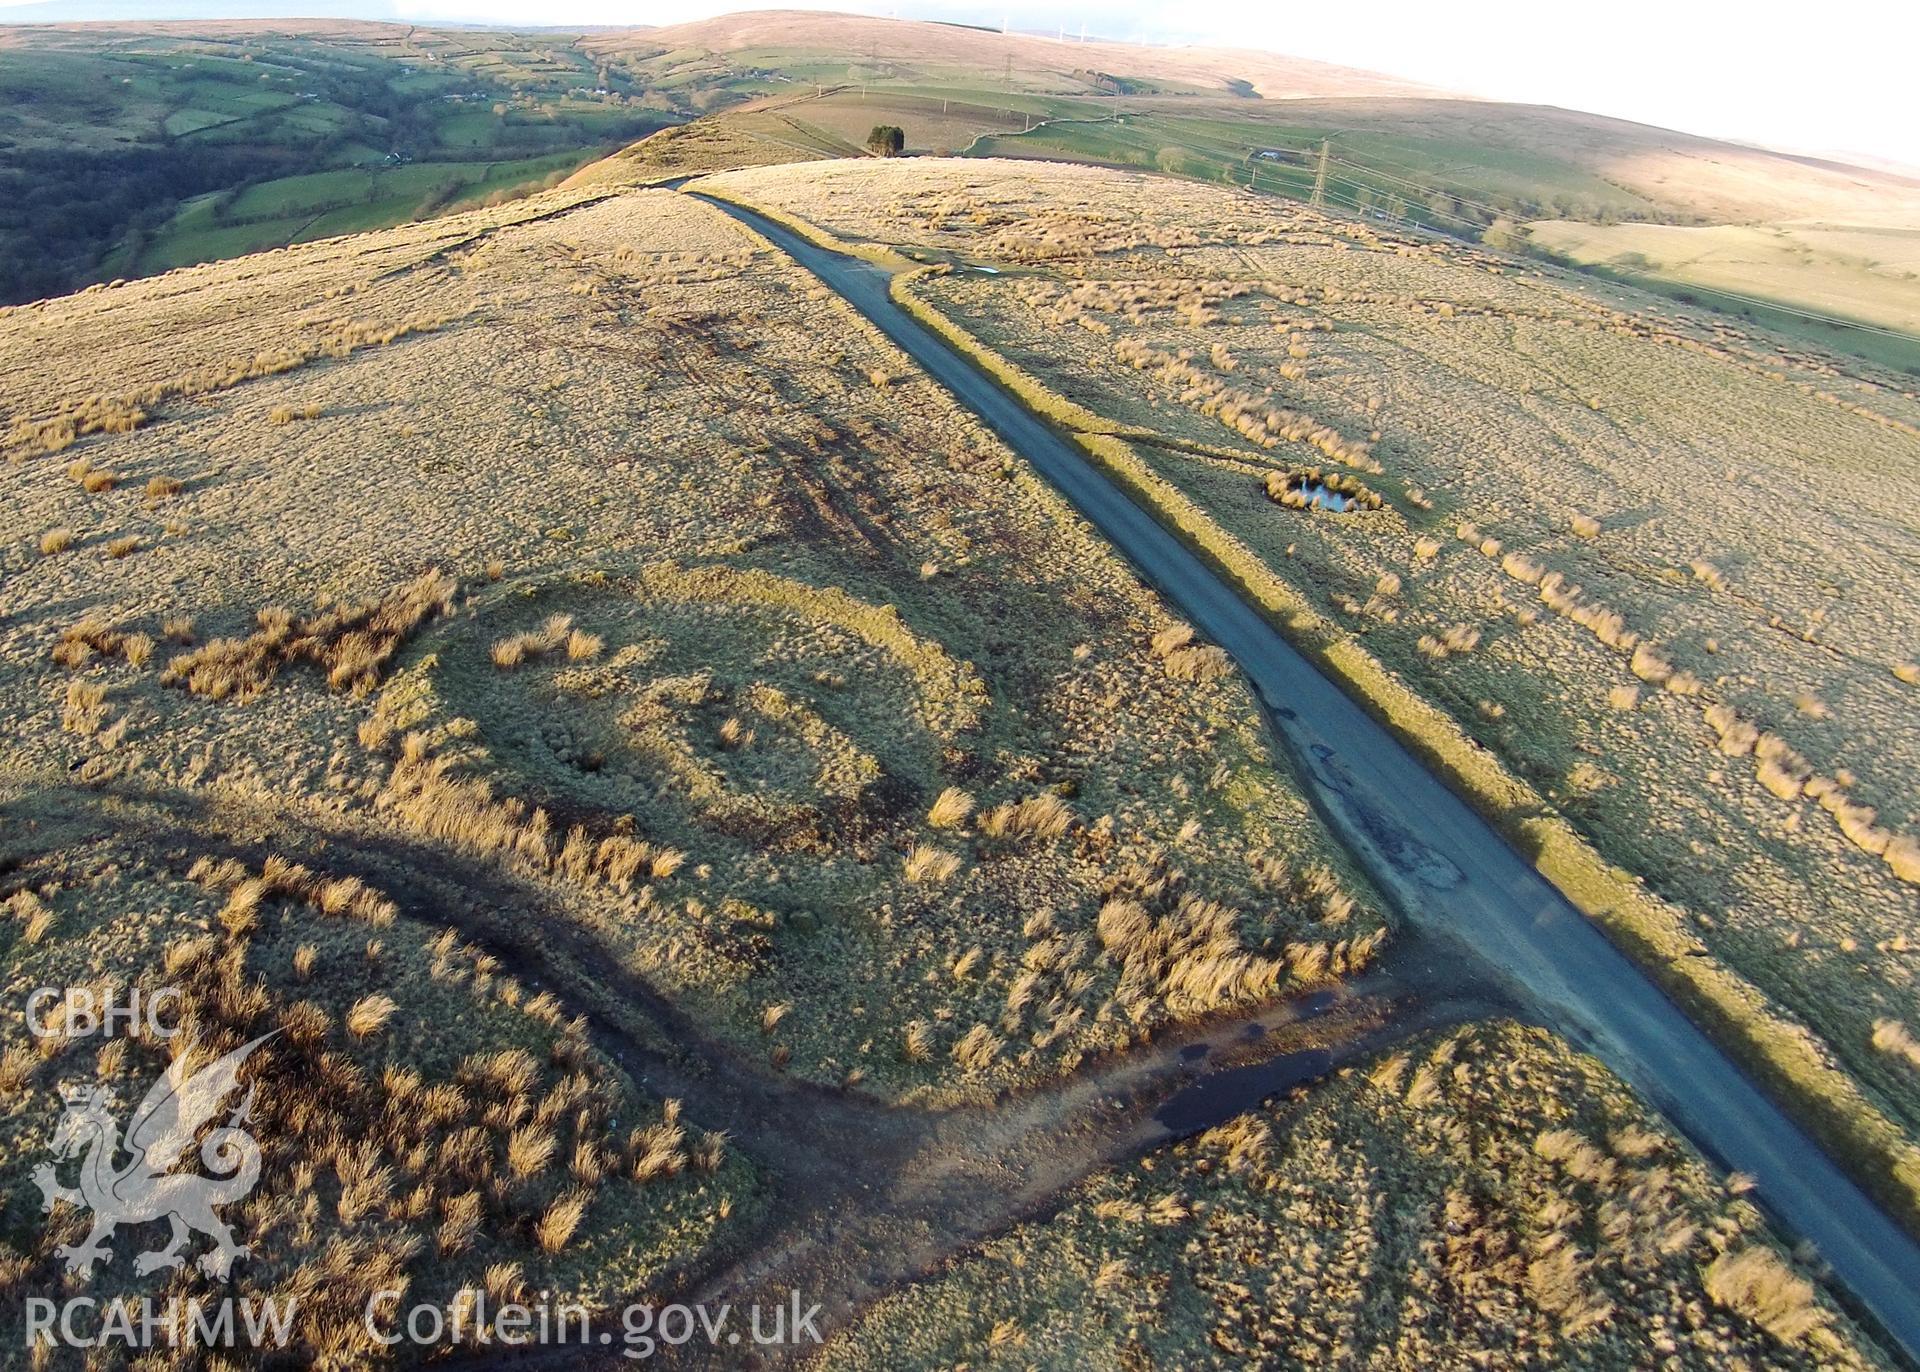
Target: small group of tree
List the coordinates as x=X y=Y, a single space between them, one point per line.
x=887 y=140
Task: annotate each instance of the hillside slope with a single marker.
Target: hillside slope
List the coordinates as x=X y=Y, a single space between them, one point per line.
x=1682 y=173
x=126 y=149
x=898 y=49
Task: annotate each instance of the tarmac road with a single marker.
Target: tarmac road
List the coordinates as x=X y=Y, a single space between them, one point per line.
x=1446 y=868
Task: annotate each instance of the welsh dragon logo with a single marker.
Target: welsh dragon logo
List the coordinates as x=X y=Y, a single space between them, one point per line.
x=145 y=1188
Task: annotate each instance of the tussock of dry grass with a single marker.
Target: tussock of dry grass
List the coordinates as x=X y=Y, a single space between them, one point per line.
x=369 y=1014
x=95 y=414
x=557 y=633
x=931 y=865
x=1755 y=1282
x=1039 y=816
x=1207 y=663
x=1186 y=661
x=86 y=708
x=1456 y=639
x=1892 y=1037
x=79 y=642
x=351 y=644
x=92 y=479
x=950 y=809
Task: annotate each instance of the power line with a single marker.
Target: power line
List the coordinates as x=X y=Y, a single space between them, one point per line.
x=1325 y=191
x=1347 y=204
x=1427 y=190
x=1416 y=210
x=1449 y=180
x=1419 y=186
x=1195 y=143
x=1331 y=195
x=1348 y=156
x=1404 y=166
x=1446 y=179
x=1669 y=284
x=1237 y=152
x=1834 y=320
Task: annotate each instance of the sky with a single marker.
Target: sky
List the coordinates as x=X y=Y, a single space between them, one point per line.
x=1836 y=77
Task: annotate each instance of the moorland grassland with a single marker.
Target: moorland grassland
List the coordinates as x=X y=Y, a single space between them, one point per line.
x=129 y=148
x=1654 y=564
x=476 y=646
x=1577 y=186
x=1480 y=1198
x=538 y=654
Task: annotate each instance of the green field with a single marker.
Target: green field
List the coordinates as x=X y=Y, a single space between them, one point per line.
x=124 y=152
x=1441 y=184
x=300 y=209
x=1777 y=274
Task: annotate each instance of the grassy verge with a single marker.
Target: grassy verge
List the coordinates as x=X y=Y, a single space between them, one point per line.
x=1782 y=1055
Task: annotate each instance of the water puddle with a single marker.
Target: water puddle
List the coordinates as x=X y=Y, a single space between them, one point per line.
x=1318 y=497
x=1219 y=1096
x=1310 y=488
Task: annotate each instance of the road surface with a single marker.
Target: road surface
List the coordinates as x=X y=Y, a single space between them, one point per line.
x=1449 y=871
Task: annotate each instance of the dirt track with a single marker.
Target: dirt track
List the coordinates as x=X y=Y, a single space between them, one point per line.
x=864 y=1196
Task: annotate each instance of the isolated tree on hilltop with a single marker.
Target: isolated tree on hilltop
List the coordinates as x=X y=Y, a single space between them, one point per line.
x=887 y=140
